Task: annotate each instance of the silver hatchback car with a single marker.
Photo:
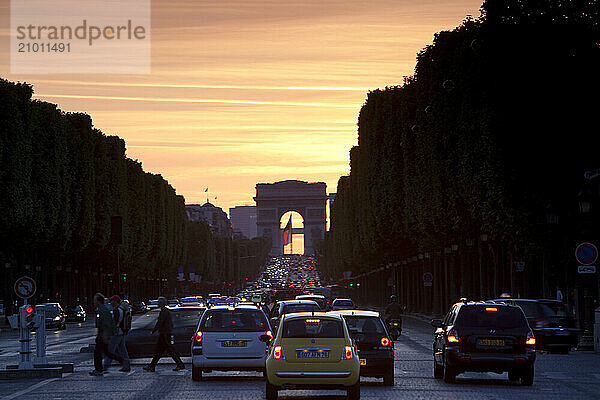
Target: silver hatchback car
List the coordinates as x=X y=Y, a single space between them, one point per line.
x=230 y=338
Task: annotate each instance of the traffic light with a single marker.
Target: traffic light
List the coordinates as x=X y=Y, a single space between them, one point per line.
x=124 y=278
x=358 y=284
x=28 y=317
x=110 y=278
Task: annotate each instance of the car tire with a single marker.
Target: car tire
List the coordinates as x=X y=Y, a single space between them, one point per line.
x=449 y=374
x=353 y=392
x=388 y=378
x=527 y=377
x=196 y=373
x=438 y=370
x=513 y=376
x=270 y=391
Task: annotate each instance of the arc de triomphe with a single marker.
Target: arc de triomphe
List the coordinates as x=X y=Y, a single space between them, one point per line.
x=307 y=199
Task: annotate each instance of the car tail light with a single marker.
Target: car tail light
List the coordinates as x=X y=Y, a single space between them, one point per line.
x=385 y=341
x=541 y=323
x=452 y=337
x=395 y=324
x=530 y=339
x=348 y=352
x=199 y=336
x=278 y=353
x=270 y=335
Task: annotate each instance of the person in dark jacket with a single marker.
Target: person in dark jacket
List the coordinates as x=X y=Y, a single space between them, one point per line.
x=164 y=326
x=106 y=329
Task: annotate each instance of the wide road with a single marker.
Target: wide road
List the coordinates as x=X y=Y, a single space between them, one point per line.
x=572 y=376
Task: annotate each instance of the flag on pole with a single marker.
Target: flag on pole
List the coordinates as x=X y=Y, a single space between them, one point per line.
x=287 y=232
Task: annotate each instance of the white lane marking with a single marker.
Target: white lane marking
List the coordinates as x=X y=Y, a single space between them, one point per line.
x=29 y=389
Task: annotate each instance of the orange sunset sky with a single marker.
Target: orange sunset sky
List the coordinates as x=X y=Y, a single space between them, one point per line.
x=251 y=91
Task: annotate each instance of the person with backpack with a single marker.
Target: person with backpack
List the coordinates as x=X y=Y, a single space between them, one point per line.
x=106 y=329
x=121 y=313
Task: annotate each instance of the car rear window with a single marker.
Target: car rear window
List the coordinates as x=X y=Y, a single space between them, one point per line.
x=182 y=318
x=294 y=308
x=555 y=309
x=491 y=317
x=365 y=325
x=343 y=303
x=313 y=328
x=530 y=308
x=51 y=310
x=234 y=320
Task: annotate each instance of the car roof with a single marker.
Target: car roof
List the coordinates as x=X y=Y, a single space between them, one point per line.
x=342 y=299
x=514 y=299
x=355 y=313
x=239 y=306
x=318 y=314
x=302 y=296
x=298 y=301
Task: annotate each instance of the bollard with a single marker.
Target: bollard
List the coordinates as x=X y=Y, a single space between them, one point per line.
x=40 y=335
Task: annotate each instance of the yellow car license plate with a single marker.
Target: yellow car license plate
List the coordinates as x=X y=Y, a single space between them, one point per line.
x=363 y=361
x=234 y=343
x=491 y=342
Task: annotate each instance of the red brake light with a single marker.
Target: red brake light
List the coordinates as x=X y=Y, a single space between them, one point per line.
x=199 y=336
x=452 y=337
x=530 y=339
x=348 y=352
x=277 y=352
x=313 y=321
x=29 y=310
x=385 y=341
x=395 y=324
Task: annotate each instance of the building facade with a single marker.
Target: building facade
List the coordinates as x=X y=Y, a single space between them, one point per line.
x=214 y=216
x=243 y=221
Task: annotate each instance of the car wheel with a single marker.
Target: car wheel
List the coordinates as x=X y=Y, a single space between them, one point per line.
x=270 y=391
x=513 y=376
x=527 y=377
x=353 y=392
x=449 y=374
x=438 y=370
x=196 y=373
x=388 y=378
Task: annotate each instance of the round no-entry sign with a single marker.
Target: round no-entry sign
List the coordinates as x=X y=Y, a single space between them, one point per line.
x=25 y=287
x=586 y=253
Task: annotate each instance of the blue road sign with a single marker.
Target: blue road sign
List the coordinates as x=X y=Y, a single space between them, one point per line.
x=586 y=253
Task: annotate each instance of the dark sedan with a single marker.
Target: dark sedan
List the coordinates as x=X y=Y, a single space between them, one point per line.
x=140 y=340
x=552 y=322
x=55 y=316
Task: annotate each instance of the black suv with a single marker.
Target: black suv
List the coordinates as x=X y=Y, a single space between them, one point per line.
x=483 y=337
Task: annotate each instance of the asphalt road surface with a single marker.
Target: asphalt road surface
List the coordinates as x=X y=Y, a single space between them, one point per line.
x=572 y=376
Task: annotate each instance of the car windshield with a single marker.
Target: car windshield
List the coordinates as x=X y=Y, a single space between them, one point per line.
x=294 y=308
x=153 y=302
x=234 y=320
x=51 y=310
x=182 y=318
x=312 y=328
x=365 y=325
x=555 y=309
x=491 y=317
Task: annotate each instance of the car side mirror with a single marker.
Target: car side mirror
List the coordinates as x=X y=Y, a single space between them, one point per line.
x=264 y=338
x=437 y=323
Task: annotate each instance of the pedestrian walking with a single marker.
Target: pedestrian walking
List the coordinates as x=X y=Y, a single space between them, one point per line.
x=116 y=344
x=559 y=294
x=164 y=326
x=106 y=329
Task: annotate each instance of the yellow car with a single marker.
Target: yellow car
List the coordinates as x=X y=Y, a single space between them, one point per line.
x=312 y=350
